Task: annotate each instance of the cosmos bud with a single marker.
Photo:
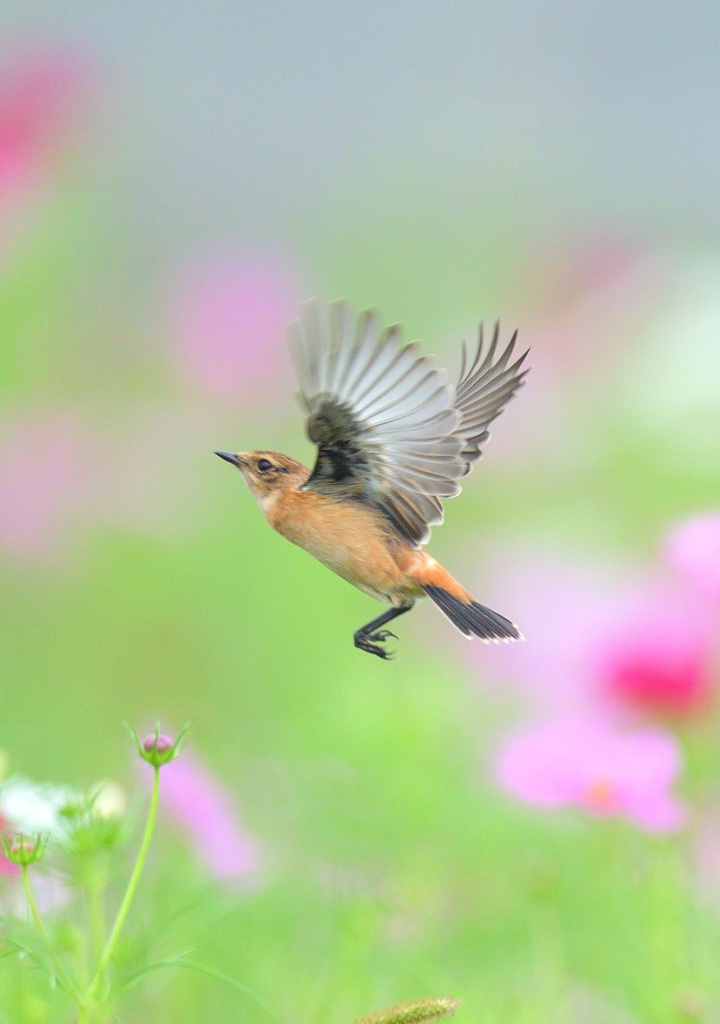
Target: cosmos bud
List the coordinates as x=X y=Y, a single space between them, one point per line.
x=161 y=744
x=157 y=748
x=23 y=850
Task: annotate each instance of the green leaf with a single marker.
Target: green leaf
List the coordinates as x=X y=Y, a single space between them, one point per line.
x=211 y=972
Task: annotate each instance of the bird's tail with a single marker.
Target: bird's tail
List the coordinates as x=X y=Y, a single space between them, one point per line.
x=473 y=619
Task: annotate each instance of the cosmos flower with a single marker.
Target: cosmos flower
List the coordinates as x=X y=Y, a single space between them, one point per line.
x=6 y=866
x=204 y=810
x=583 y=763
x=39 y=99
x=41 y=94
x=31 y=807
x=54 y=811
x=660 y=656
x=49 y=814
x=602 y=640
x=231 y=326
x=692 y=549
x=42 y=480
x=108 y=800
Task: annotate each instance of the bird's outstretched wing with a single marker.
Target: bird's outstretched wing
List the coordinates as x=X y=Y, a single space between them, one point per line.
x=381 y=415
x=483 y=390
x=389 y=430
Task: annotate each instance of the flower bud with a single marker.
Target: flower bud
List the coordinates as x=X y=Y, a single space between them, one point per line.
x=159 y=743
x=22 y=850
x=157 y=748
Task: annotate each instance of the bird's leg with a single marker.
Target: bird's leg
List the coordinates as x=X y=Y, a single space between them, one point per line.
x=368 y=638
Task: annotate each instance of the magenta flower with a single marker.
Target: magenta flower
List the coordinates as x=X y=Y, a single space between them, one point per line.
x=562 y=606
x=660 y=656
x=39 y=98
x=585 y=764
x=600 y=641
x=692 y=549
x=42 y=479
x=204 y=810
x=231 y=328
x=6 y=866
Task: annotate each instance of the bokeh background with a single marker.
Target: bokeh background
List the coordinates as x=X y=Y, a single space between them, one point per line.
x=535 y=830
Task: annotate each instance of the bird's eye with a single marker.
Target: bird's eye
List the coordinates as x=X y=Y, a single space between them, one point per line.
x=264 y=465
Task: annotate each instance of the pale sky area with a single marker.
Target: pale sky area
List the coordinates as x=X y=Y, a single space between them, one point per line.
x=252 y=117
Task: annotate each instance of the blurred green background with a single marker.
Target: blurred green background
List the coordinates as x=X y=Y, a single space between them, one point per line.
x=173 y=181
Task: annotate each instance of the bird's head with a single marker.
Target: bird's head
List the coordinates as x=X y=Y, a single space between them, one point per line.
x=267 y=473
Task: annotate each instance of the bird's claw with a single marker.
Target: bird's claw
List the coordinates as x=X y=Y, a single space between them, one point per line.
x=364 y=642
x=381 y=635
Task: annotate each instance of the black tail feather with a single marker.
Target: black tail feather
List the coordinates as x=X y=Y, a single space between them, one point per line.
x=474 y=619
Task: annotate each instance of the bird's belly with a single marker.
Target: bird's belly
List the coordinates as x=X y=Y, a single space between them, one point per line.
x=350 y=542
x=366 y=569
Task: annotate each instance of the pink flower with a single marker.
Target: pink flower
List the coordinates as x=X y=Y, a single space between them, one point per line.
x=232 y=326
x=660 y=657
x=42 y=480
x=207 y=815
x=561 y=606
x=692 y=549
x=583 y=763
x=38 y=104
x=601 y=640
x=6 y=866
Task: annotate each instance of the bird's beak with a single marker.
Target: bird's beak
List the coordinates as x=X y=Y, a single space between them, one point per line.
x=232 y=457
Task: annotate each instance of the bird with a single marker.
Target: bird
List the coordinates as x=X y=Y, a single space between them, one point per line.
x=394 y=440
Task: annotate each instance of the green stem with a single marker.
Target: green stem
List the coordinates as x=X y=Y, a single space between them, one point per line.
x=96 y=910
x=107 y=953
x=63 y=977
x=30 y=895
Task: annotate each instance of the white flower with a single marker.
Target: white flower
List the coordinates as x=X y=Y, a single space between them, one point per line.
x=109 y=800
x=31 y=807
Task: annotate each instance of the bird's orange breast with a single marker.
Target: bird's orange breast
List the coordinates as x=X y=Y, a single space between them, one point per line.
x=349 y=538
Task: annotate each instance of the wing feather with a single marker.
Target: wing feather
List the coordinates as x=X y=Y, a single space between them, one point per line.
x=381 y=415
x=388 y=369
x=362 y=353
x=483 y=390
x=390 y=431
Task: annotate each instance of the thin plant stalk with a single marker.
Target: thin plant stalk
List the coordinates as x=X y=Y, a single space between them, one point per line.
x=32 y=904
x=40 y=925
x=96 y=913
x=109 y=949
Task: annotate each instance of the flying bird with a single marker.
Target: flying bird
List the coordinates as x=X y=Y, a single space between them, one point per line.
x=393 y=440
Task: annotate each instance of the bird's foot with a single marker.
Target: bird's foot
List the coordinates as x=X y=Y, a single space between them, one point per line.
x=370 y=642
